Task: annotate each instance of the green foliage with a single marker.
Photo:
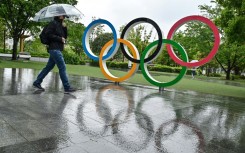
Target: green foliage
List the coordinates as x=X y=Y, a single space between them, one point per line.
x=6 y=51
x=197 y=39
x=71 y=58
x=119 y=65
x=94 y=63
x=36 y=48
x=235 y=32
x=215 y=75
x=139 y=36
x=96 y=31
x=97 y=44
x=111 y=64
x=229 y=16
x=17 y=16
x=164 y=68
x=75 y=32
x=2 y=29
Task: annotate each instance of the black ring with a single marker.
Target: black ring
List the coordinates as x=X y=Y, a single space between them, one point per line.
x=159 y=45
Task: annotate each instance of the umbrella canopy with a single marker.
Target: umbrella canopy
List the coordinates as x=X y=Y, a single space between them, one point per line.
x=49 y=12
x=194 y=61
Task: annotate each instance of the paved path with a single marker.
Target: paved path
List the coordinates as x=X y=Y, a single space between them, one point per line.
x=103 y=118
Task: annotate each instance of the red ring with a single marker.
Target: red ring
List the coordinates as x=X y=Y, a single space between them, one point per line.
x=212 y=52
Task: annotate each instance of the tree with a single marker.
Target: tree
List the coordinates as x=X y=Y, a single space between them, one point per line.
x=17 y=16
x=2 y=33
x=198 y=40
x=229 y=15
x=100 y=41
x=96 y=31
x=75 y=32
x=140 y=36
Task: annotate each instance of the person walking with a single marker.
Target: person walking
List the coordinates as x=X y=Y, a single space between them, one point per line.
x=193 y=72
x=56 y=34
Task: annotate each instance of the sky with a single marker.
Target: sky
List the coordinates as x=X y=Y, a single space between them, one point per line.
x=164 y=12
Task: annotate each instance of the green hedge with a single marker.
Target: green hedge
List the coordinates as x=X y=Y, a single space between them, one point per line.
x=94 y=63
x=214 y=75
x=72 y=58
x=237 y=77
x=164 y=68
x=111 y=64
x=6 y=51
x=40 y=54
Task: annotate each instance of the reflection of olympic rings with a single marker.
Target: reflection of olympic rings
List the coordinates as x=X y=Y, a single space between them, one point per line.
x=146 y=126
x=144 y=123
x=110 y=48
x=100 y=106
x=82 y=125
x=104 y=111
x=195 y=129
x=159 y=136
x=138 y=110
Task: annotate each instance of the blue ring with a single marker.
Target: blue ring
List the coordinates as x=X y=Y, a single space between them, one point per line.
x=86 y=37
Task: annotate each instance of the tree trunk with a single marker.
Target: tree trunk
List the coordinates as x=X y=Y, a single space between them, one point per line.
x=207 y=71
x=228 y=74
x=237 y=70
x=14 y=54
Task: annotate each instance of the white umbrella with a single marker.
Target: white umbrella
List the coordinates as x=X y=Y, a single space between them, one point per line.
x=49 y=12
x=194 y=61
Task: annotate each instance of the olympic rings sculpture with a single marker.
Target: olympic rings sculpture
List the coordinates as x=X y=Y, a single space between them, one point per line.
x=111 y=47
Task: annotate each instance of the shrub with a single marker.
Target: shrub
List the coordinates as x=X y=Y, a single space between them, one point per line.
x=161 y=68
x=113 y=64
x=94 y=63
x=237 y=77
x=40 y=54
x=242 y=77
x=215 y=75
x=72 y=58
x=6 y=51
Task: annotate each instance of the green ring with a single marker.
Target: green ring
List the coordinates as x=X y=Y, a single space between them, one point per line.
x=146 y=73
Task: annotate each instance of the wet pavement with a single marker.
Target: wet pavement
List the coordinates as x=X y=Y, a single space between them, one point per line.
x=105 y=118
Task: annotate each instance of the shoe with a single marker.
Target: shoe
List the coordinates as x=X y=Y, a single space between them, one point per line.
x=69 y=90
x=38 y=86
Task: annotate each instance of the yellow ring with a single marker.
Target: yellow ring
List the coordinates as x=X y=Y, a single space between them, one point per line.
x=104 y=68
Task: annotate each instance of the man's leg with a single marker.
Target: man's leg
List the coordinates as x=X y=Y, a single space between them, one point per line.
x=59 y=60
x=50 y=65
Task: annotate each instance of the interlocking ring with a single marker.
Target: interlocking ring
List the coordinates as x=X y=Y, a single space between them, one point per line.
x=104 y=68
x=125 y=33
x=88 y=31
x=146 y=73
x=110 y=49
x=210 y=55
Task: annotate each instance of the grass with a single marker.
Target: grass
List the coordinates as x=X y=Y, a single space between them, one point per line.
x=198 y=85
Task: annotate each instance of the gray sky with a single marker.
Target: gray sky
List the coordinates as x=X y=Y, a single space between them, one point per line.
x=164 y=12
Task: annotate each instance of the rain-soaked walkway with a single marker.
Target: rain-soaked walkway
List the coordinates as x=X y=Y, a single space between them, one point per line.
x=103 y=118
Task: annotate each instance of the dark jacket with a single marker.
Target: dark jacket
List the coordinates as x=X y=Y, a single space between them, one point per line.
x=55 y=32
